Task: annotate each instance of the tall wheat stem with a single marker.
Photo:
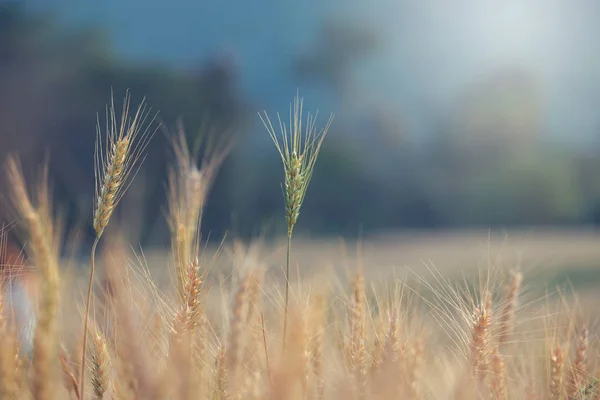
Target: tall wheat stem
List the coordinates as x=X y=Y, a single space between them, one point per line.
x=287 y=286
x=298 y=150
x=125 y=141
x=87 y=312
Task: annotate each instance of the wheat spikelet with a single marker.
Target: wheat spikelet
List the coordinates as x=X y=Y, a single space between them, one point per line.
x=186 y=340
x=508 y=310
x=187 y=318
x=188 y=187
x=125 y=141
x=298 y=150
x=113 y=181
x=577 y=372
x=391 y=373
x=392 y=348
x=294 y=181
x=100 y=366
x=196 y=323
x=479 y=342
x=557 y=360
x=43 y=245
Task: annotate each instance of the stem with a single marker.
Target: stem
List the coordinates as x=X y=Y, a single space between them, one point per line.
x=287 y=287
x=87 y=314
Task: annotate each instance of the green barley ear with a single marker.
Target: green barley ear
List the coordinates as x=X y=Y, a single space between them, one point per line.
x=299 y=149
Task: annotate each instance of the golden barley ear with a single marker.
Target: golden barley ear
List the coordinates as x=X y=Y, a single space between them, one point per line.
x=43 y=233
x=190 y=178
x=100 y=366
x=125 y=142
x=480 y=341
x=121 y=154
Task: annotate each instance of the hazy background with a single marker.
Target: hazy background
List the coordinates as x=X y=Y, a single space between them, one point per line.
x=449 y=114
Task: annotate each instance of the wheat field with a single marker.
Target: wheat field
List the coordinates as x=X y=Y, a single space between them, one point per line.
x=473 y=315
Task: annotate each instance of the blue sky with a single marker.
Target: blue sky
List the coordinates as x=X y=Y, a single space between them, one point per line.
x=433 y=50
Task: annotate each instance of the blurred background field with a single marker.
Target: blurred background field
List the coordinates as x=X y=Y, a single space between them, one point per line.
x=552 y=260
x=453 y=119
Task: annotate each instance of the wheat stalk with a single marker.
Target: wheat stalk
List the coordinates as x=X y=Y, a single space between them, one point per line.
x=190 y=178
x=126 y=140
x=44 y=248
x=298 y=150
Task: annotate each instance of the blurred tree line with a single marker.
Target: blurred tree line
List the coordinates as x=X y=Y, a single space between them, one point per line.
x=485 y=165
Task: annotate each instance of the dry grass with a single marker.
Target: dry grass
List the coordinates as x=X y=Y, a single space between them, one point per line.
x=194 y=325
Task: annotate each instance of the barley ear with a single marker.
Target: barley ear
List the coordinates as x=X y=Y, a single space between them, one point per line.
x=298 y=149
x=189 y=182
x=125 y=141
x=479 y=344
x=100 y=366
x=43 y=245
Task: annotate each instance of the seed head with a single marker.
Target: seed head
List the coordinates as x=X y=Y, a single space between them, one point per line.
x=114 y=161
x=298 y=150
